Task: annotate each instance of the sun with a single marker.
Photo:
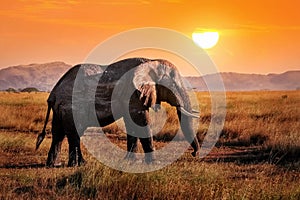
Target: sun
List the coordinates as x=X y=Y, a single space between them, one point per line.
x=206 y=40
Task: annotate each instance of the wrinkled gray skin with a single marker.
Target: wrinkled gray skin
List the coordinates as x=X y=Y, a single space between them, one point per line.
x=152 y=81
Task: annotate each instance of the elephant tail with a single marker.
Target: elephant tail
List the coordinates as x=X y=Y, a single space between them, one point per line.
x=42 y=135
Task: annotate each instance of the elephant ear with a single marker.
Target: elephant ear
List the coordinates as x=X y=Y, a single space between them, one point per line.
x=144 y=81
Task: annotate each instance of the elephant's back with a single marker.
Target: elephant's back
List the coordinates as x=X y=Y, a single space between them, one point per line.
x=77 y=79
x=110 y=77
x=116 y=70
x=104 y=77
x=64 y=85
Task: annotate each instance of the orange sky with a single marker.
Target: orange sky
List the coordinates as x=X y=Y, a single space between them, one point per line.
x=257 y=36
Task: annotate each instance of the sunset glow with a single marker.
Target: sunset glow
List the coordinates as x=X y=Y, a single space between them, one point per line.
x=257 y=36
x=206 y=40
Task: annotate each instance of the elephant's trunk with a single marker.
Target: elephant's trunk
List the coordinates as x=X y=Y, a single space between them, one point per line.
x=185 y=115
x=186 y=125
x=179 y=98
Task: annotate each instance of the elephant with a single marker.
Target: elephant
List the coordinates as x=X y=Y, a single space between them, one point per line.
x=146 y=82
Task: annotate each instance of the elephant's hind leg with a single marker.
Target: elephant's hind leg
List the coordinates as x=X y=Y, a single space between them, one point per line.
x=75 y=155
x=58 y=135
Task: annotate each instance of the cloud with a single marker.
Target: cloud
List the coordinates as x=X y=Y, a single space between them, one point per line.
x=120 y=2
x=266 y=28
x=250 y=28
x=40 y=7
x=23 y=8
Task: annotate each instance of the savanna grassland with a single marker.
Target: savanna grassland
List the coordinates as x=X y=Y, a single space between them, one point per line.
x=256 y=157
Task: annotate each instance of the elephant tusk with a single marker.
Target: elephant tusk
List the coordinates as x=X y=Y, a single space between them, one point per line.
x=188 y=113
x=195 y=111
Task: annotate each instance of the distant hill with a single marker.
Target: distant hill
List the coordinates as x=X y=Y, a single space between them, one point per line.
x=247 y=82
x=44 y=76
x=40 y=76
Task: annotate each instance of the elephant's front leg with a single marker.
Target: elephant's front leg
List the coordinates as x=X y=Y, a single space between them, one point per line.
x=137 y=126
x=148 y=148
x=131 y=145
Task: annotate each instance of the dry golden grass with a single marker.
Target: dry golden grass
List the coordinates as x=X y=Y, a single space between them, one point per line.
x=23 y=111
x=264 y=113
x=22 y=177
x=271 y=118
x=268 y=121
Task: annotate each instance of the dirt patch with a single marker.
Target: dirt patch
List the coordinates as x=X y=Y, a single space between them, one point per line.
x=24 y=156
x=238 y=154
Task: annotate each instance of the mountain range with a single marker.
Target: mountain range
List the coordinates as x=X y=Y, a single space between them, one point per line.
x=44 y=76
x=40 y=76
x=250 y=82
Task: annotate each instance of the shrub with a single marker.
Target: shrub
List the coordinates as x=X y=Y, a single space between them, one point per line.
x=30 y=89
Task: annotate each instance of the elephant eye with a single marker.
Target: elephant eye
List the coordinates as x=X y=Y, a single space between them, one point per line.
x=172 y=74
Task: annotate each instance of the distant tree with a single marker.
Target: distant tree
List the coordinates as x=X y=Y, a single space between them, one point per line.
x=30 y=89
x=11 y=90
x=297 y=88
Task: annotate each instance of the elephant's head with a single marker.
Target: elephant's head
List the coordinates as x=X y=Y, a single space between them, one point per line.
x=159 y=80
